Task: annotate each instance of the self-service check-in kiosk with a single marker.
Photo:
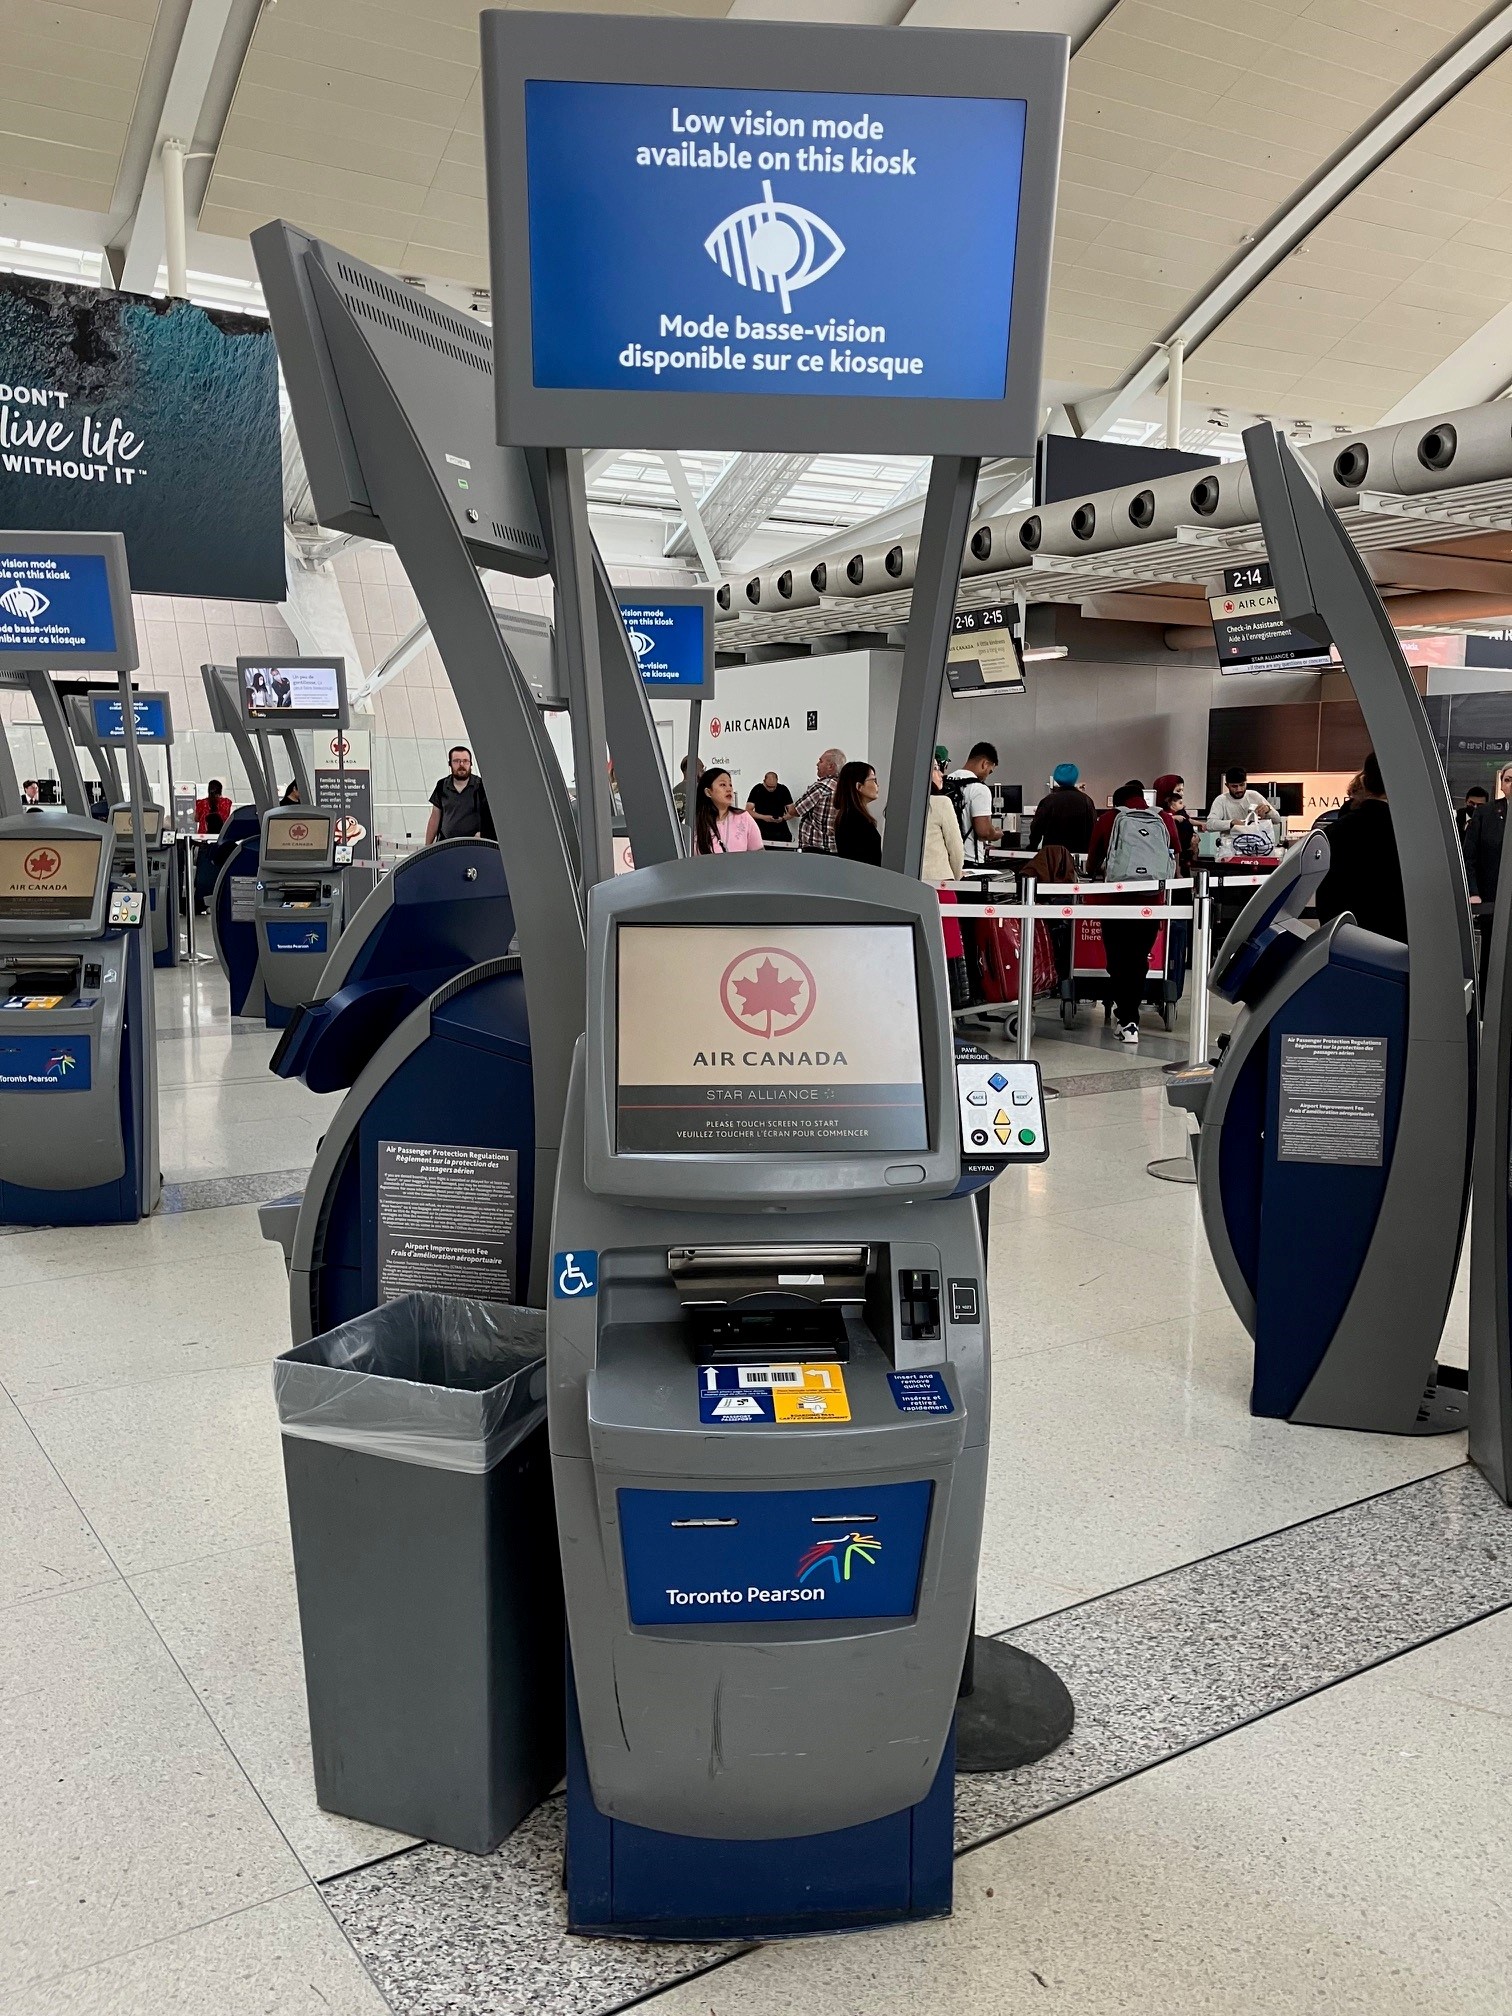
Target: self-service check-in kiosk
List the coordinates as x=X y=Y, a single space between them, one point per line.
x=75 y=1061
x=299 y=906
x=162 y=886
x=769 y=1390
x=1333 y=1157
x=98 y=724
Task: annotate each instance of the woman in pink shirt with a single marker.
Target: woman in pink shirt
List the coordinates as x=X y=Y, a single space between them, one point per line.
x=722 y=828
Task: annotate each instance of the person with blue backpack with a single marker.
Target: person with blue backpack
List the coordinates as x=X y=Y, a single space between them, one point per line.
x=1131 y=842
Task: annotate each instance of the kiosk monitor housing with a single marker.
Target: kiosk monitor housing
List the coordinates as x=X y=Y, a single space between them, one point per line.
x=152 y=823
x=756 y=1039
x=770 y=235
x=151 y=711
x=440 y=364
x=294 y=840
x=671 y=633
x=65 y=603
x=293 y=692
x=54 y=878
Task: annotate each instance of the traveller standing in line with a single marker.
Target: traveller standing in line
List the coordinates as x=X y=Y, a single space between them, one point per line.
x=722 y=828
x=857 y=834
x=1065 y=816
x=973 y=800
x=770 y=804
x=1483 y=856
x=459 y=804
x=1148 y=840
x=816 y=808
x=680 y=789
x=1365 y=871
x=944 y=849
x=1475 y=797
x=1170 y=796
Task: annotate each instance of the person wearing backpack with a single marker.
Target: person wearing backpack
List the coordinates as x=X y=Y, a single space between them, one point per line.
x=967 y=790
x=1131 y=842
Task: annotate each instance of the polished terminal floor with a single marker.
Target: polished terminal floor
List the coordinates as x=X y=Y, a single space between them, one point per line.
x=1291 y=1650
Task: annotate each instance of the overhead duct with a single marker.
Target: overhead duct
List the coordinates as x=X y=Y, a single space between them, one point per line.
x=1407 y=458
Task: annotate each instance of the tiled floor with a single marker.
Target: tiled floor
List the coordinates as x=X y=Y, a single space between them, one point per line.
x=162 y=1851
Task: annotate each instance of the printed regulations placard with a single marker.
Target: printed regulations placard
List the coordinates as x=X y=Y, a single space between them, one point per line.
x=768 y=1041
x=1333 y=1099
x=448 y=1220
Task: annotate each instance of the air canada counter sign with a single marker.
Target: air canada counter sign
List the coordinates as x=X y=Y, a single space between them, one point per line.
x=724 y=240
x=806 y=1042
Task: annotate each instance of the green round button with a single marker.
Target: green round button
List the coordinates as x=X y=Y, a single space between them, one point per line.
x=1026 y=1135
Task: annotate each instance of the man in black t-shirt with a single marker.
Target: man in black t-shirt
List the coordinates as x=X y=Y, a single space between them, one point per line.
x=459 y=803
x=771 y=806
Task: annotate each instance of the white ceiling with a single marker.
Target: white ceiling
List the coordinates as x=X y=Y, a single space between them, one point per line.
x=1196 y=130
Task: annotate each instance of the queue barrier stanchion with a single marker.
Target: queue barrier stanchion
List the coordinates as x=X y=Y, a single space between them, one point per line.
x=1026 y=972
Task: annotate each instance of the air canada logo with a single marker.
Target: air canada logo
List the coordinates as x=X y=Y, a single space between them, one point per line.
x=774 y=248
x=767 y=992
x=716 y=726
x=25 y=603
x=837 y=1557
x=299 y=830
x=641 y=644
x=42 y=864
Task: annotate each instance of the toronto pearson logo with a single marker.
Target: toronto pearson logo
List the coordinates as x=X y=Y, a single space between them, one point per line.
x=837 y=1557
x=767 y=992
x=23 y=602
x=61 y=1063
x=773 y=247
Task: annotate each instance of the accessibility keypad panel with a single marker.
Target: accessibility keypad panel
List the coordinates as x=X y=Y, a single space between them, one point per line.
x=1002 y=1108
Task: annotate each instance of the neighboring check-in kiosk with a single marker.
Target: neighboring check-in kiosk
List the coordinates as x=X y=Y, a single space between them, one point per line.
x=671 y=632
x=769 y=1383
x=78 y=1083
x=300 y=883
x=767 y=1353
x=1490 y=1381
x=1333 y=1157
x=99 y=726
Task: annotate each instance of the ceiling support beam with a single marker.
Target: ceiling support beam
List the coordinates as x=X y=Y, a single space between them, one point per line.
x=741 y=496
x=687 y=503
x=1440 y=570
x=1401 y=117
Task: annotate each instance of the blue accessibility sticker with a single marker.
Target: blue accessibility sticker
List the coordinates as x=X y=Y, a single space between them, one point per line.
x=920 y=1393
x=574 y=1275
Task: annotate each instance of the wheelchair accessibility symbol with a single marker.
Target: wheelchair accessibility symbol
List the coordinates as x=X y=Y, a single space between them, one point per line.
x=574 y=1275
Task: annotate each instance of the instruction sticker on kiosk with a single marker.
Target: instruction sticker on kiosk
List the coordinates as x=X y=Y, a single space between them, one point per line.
x=735 y=1396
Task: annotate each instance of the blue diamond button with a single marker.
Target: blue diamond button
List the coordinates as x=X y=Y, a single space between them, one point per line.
x=997 y=1081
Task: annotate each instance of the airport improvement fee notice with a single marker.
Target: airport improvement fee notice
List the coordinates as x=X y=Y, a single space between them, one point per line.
x=718 y=240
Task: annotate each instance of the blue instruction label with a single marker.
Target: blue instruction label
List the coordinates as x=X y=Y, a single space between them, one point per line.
x=920 y=1393
x=574 y=1275
x=735 y=1410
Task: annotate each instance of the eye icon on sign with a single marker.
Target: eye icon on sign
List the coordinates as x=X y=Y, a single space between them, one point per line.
x=24 y=602
x=641 y=644
x=773 y=247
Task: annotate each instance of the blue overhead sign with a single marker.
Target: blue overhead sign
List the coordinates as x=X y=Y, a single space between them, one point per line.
x=109 y=723
x=852 y=244
x=671 y=644
x=55 y=606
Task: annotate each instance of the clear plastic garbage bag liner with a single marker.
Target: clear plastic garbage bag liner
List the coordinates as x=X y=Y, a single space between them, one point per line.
x=428 y=1379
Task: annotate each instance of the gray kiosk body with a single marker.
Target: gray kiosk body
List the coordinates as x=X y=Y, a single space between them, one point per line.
x=757 y=1250
x=300 y=897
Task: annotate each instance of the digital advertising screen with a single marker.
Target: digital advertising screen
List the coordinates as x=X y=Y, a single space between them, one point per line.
x=768 y=1041
x=839 y=245
x=298 y=836
x=301 y=690
x=48 y=878
x=108 y=719
x=672 y=642
x=157 y=419
x=55 y=604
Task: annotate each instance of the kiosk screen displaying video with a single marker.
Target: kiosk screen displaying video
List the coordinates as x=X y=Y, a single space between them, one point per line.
x=152 y=824
x=784 y=1040
x=292 y=690
x=302 y=837
x=47 y=878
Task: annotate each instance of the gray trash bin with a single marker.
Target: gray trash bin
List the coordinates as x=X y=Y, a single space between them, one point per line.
x=425 y=1553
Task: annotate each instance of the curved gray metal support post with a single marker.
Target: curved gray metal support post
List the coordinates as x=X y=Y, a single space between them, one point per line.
x=650 y=816
x=937 y=576
x=1375 y=1372
x=562 y=501
x=60 y=740
x=529 y=803
x=225 y=714
x=1490 y=1314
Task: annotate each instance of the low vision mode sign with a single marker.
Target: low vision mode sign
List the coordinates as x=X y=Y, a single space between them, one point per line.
x=671 y=633
x=768 y=213
x=65 y=603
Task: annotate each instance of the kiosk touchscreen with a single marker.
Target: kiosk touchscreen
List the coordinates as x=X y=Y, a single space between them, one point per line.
x=768 y=1393
x=299 y=912
x=66 y=1032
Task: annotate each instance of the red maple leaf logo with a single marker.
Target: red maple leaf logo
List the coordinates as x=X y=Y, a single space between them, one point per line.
x=43 y=863
x=773 y=987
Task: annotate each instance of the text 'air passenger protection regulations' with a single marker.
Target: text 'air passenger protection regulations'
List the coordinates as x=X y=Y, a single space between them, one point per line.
x=717 y=240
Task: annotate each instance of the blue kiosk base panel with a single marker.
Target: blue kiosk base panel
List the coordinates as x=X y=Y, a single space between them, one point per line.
x=626 y=1882
x=104 y=1204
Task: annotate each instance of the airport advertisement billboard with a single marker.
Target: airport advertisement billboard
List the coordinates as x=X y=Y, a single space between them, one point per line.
x=157 y=419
